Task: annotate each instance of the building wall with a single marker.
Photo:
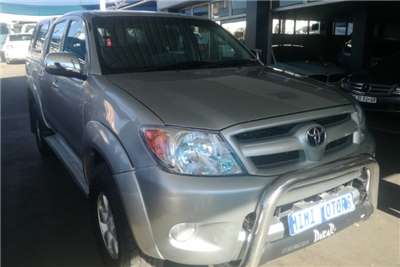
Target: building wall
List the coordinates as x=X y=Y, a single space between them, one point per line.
x=231 y=14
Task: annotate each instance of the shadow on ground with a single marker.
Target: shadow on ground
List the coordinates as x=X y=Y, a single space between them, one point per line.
x=45 y=219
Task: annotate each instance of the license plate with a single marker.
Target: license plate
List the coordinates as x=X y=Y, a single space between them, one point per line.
x=307 y=218
x=365 y=99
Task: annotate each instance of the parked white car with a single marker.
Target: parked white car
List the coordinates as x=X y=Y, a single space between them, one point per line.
x=16 y=47
x=28 y=28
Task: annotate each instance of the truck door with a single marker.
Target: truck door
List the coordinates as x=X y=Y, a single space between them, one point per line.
x=48 y=82
x=72 y=92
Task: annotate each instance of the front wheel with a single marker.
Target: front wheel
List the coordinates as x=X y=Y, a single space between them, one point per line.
x=113 y=234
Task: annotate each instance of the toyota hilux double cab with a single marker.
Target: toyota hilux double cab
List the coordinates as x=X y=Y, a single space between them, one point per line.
x=188 y=148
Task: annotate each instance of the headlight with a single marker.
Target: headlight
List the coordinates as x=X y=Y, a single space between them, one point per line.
x=191 y=152
x=359 y=117
x=396 y=91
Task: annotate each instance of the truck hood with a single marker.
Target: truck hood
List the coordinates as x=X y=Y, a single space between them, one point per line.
x=218 y=98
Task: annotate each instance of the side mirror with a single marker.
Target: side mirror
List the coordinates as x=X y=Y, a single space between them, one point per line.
x=64 y=64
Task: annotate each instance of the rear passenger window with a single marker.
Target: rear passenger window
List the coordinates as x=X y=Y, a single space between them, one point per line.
x=75 y=39
x=40 y=37
x=56 y=36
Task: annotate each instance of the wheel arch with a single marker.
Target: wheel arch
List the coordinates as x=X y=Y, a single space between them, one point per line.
x=101 y=146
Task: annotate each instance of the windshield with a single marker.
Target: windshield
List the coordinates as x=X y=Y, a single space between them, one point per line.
x=21 y=37
x=129 y=43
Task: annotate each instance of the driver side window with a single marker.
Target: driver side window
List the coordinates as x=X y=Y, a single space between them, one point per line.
x=75 y=39
x=56 y=37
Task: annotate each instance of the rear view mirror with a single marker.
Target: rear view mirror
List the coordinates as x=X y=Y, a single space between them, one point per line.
x=64 y=64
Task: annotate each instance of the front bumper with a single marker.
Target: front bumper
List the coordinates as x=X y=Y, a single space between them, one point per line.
x=259 y=248
x=219 y=206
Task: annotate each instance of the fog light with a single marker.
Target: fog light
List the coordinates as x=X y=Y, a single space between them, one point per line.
x=396 y=91
x=183 y=231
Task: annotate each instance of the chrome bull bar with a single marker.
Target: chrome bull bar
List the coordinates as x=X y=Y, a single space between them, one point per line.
x=257 y=243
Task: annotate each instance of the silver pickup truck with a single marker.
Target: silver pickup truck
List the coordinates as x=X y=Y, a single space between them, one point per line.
x=188 y=148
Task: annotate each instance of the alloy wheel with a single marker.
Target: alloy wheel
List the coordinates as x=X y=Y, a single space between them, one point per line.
x=107 y=226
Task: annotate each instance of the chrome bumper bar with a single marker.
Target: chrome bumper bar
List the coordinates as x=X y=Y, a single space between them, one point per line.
x=258 y=242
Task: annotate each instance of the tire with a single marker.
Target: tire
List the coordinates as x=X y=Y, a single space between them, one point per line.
x=127 y=253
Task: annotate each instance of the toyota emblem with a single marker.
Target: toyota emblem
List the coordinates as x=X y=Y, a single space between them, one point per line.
x=316 y=136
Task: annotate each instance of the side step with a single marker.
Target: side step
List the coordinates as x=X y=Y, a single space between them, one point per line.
x=70 y=160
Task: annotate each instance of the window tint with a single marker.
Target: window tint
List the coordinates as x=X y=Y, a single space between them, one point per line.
x=75 y=39
x=56 y=36
x=130 y=44
x=41 y=36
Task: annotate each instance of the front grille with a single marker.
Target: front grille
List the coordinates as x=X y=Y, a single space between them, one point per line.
x=287 y=129
x=282 y=147
x=379 y=89
x=265 y=133
x=339 y=144
x=357 y=86
x=371 y=89
x=268 y=161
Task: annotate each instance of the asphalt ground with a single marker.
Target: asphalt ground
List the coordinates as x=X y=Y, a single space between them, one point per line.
x=45 y=220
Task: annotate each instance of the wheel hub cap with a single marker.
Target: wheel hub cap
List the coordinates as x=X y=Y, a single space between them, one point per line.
x=107 y=226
